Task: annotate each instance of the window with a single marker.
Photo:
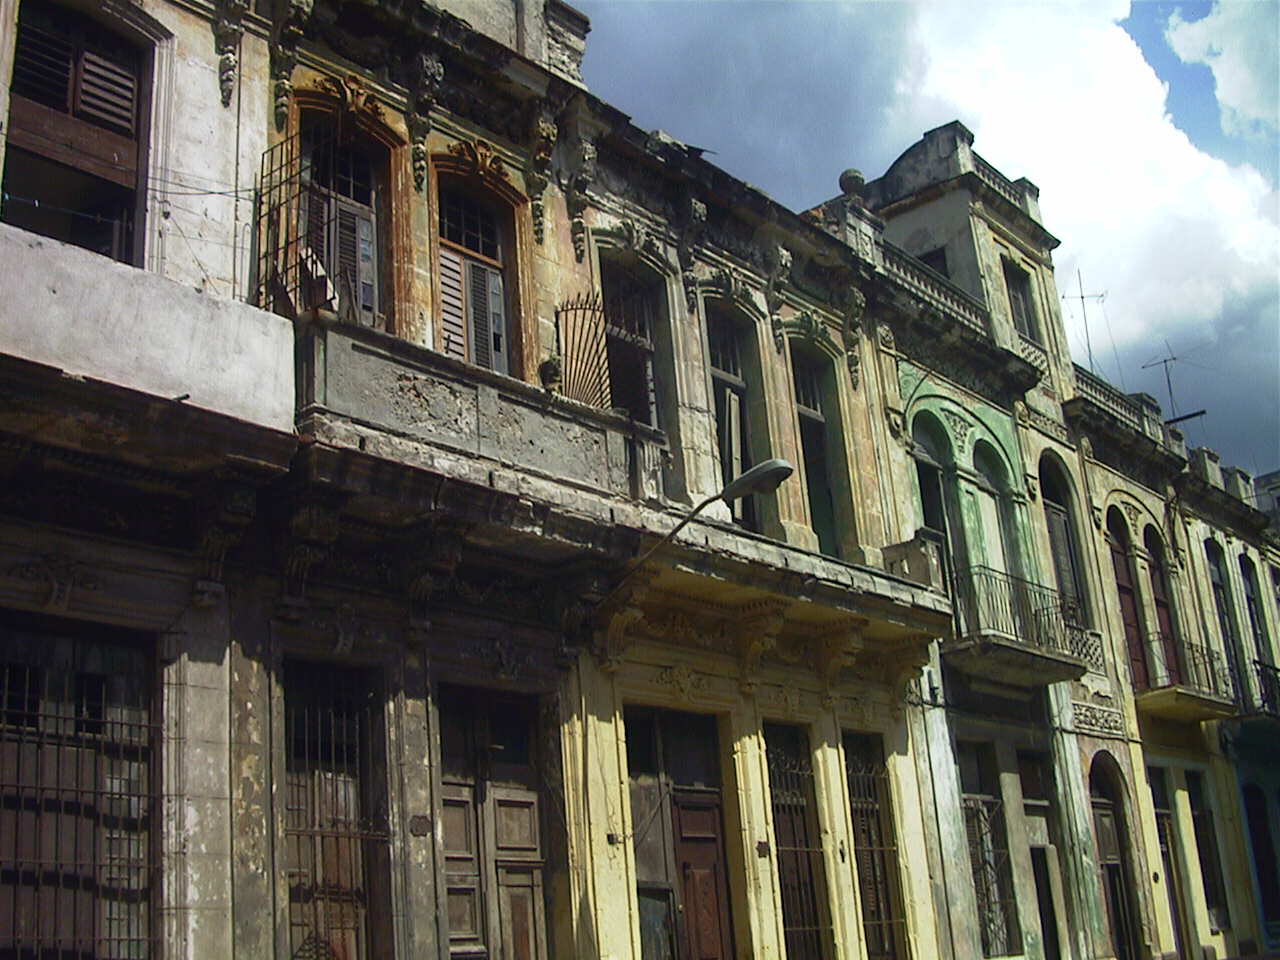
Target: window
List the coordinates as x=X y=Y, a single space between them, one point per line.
x=336 y=838
x=492 y=824
x=476 y=248
x=936 y=260
x=343 y=175
x=634 y=305
x=1167 y=645
x=1162 y=801
x=1222 y=604
x=875 y=846
x=988 y=849
x=1110 y=836
x=1215 y=895
x=730 y=387
x=1017 y=284
x=1253 y=606
x=806 y=913
x=75 y=158
x=78 y=805
x=1127 y=594
x=1063 y=546
x=810 y=374
x=1262 y=846
x=673 y=762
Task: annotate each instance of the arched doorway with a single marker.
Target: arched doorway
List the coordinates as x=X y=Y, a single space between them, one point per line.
x=1111 y=839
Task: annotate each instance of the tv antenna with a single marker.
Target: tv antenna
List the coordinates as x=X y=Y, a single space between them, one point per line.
x=1082 y=297
x=1166 y=362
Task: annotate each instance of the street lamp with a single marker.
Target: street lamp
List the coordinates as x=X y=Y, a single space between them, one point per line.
x=764 y=477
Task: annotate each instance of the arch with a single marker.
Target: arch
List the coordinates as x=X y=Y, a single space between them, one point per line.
x=821 y=435
x=990 y=465
x=931 y=439
x=1219 y=584
x=1253 y=608
x=1109 y=800
x=1061 y=521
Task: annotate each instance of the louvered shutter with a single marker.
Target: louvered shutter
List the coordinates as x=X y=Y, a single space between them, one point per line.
x=731 y=440
x=453 y=322
x=356 y=260
x=1064 y=567
x=107 y=92
x=486 y=309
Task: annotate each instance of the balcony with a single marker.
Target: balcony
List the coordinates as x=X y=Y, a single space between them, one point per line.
x=368 y=392
x=1264 y=698
x=1195 y=687
x=1017 y=632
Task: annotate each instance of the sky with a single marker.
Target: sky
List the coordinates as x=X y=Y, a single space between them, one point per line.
x=1152 y=130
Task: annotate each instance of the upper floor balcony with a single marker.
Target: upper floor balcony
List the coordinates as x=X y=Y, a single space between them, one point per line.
x=1133 y=420
x=110 y=359
x=1260 y=697
x=1189 y=682
x=1017 y=632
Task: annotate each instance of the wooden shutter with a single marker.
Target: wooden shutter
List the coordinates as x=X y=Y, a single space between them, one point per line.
x=1129 y=614
x=452 y=318
x=1064 y=566
x=486 y=309
x=107 y=92
x=355 y=260
x=731 y=443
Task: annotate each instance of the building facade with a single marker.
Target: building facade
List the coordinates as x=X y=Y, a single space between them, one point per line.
x=357 y=360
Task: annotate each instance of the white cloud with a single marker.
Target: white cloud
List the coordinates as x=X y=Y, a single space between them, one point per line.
x=1240 y=43
x=1061 y=94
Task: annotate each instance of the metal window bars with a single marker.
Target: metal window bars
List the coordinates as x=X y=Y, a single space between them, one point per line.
x=992 y=875
x=336 y=835
x=581 y=347
x=806 y=915
x=875 y=848
x=78 y=798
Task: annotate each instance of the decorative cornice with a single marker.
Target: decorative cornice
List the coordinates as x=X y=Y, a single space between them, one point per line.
x=427 y=76
x=693 y=223
x=292 y=17
x=479 y=159
x=580 y=180
x=543 y=131
x=228 y=28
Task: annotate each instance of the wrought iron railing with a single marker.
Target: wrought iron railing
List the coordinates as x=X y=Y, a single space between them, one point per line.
x=582 y=351
x=1195 y=667
x=1267 y=699
x=990 y=602
x=992 y=875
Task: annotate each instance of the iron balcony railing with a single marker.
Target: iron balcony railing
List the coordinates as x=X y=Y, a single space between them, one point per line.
x=1267 y=698
x=1195 y=667
x=989 y=602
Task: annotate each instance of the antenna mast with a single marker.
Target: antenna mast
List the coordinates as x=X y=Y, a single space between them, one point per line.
x=1082 y=297
x=1168 y=378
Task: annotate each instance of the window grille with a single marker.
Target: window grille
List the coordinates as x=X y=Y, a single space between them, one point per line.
x=875 y=847
x=78 y=742
x=336 y=839
x=988 y=850
x=632 y=304
x=806 y=914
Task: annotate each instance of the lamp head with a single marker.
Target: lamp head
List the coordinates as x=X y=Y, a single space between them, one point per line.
x=764 y=477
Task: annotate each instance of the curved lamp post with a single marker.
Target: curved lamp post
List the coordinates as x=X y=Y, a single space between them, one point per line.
x=764 y=477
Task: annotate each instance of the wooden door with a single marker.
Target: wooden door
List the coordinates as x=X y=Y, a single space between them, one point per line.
x=1164 y=621
x=1129 y=613
x=699 y=850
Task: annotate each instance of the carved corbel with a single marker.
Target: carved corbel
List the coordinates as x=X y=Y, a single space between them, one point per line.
x=611 y=623
x=853 y=305
x=227 y=31
x=903 y=666
x=755 y=631
x=229 y=510
x=313 y=530
x=778 y=263
x=427 y=76
x=543 y=131
x=429 y=561
x=584 y=174
x=693 y=225
x=291 y=20
x=838 y=649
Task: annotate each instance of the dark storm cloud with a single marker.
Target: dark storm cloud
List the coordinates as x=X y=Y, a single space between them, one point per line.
x=786 y=94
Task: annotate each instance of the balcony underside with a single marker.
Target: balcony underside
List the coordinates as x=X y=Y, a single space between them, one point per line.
x=1187 y=704
x=993 y=656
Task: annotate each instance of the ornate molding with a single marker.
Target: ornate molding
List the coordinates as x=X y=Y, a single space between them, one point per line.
x=229 y=511
x=584 y=174
x=543 y=132
x=62 y=573
x=1099 y=721
x=480 y=159
x=612 y=623
x=755 y=630
x=778 y=266
x=353 y=95
x=292 y=16
x=634 y=237
x=808 y=326
x=228 y=28
x=313 y=530
x=693 y=217
x=683 y=679
x=427 y=76
x=428 y=562
x=961 y=427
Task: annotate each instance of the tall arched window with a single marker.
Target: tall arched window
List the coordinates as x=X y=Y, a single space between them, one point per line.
x=477 y=254
x=1253 y=606
x=993 y=508
x=1161 y=595
x=1127 y=593
x=932 y=454
x=1064 y=544
x=1222 y=605
x=742 y=437
x=635 y=311
x=819 y=440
